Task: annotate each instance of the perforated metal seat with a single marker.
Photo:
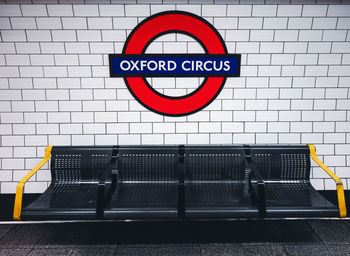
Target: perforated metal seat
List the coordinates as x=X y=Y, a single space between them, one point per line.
x=146 y=183
x=216 y=185
x=72 y=194
x=288 y=191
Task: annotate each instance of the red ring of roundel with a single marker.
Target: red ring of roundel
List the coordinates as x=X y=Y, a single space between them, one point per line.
x=182 y=22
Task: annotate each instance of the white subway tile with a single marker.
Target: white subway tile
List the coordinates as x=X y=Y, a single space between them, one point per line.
x=81 y=94
x=60 y=10
x=137 y=10
x=89 y=35
x=71 y=129
x=79 y=71
x=289 y=10
x=314 y=10
x=85 y=10
x=124 y=23
x=10 y=10
x=111 y=10
x=47 y=129
x=70 y=106
x=338 y=11
x=35 y=140
x=86 y=117
x=101 y=47
x=100 y=23
x=129 y=139
x=175 y=139
x=310 y=35
x=129 y=117
x=293 y=70
x=116 y=35
x=46 y=106
x=22 y=129
x=244 y=116
x=5 y=23
x=20 y=83
x=141 y=128
x=237 y=35
x=12 y=164
x=339 y=70
x=39 y=35
x=318 y=47
x=250 y=23
x=82 y=140
x=243 y=138
x=271 y=47
x=324 y=23
x=58 y=117
x=336 y=115
x=221 y=138
x=254 y=127
x=334 y=35
x=214 y=10
x=343 y=23
x=261 y=35
x=74 y=23
x=226 y=23
x=94 y=128
x=23 y=23
x=13 y=35
x=13 y=141
x=198 y=138
x=34 y=10
x=264 y=10
x=49 y=23
x=239 y=10
x=64 y=35
x=22 y=106
x=338 y=47
x=275 y=23
x=313 y=93
x=324 y=104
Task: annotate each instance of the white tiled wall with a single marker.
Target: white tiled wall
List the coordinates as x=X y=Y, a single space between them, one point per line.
x=55 y=86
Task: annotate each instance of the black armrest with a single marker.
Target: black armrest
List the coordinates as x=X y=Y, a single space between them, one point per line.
x=254 y=171
x=106 y=185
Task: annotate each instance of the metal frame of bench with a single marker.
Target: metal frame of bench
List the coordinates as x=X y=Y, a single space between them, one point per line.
x=107 y=182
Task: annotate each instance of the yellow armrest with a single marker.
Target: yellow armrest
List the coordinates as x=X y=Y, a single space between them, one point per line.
x=339 y=183
x=19 y=191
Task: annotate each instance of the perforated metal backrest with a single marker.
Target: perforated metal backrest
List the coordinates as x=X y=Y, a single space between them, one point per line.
x=72 y=165
x=147 y=163
x=282 y=162
x=214 y=163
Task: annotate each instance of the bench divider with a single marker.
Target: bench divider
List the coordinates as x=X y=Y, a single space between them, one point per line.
x=181 y=175
x=103 y=197
x=260 y=195
x=339 y=183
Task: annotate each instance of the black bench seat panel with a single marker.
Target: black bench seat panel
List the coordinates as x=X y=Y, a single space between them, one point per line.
x=297 y=200
x=288 y=191
x=146 y=183
x=143 y=200
x=216 y=184
x=219 y=200
x=72 y=194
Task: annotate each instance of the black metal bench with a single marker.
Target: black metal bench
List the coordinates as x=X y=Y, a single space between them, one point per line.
x=179 y=182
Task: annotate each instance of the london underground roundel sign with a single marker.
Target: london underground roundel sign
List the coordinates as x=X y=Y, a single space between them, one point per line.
x=134 y=65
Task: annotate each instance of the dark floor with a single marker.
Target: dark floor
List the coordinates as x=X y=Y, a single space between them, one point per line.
x=256 y=237
x=313 y=237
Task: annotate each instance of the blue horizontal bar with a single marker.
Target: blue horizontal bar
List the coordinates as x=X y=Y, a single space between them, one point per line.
x=174 y=65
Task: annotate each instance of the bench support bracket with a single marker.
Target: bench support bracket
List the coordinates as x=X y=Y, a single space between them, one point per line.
x=19 y=190
x=339 y=183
